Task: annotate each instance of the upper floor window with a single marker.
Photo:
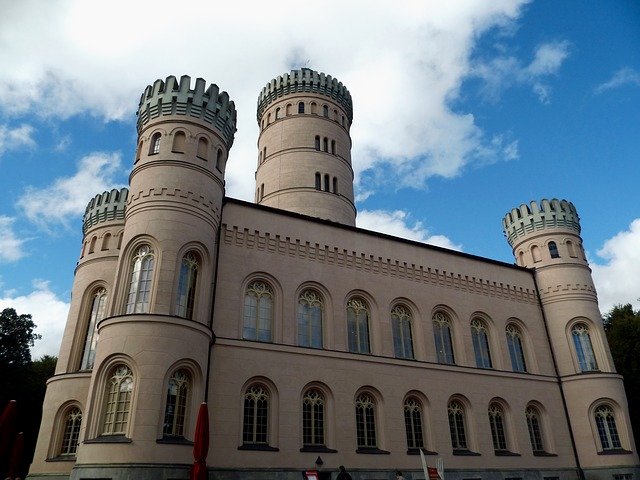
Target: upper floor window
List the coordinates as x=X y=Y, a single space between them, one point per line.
x=318 y=181
x=310 y=308
x=457 y=428
x=203 y=148
x=535 y=429
x=187 y=285
x=366 y=421
x=118 y=395
x=607 y=429
x=140 y=283
x=442 y=338
x=179 y=142
x=496 y=421
x=155 y=144
x=255 y=423
x=301 y=107
x=401 y=328
x=258 y=312
x=313 y=404
x=553 y=250
x=335 y=184
x=413 y=423
x=584 y=348
x=571 y=249
x=219 y=159
x=176 y=403
x=277 y=113
x=326 y=182
x=71 y=432
x=91 y=338
x=317 y=142
x=325 y=110
x=480 y=343
x=358 y=325
x=516 y=351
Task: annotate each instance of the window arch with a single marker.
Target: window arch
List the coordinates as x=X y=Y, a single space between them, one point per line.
x=442 y=338
x=287 y=110
x=258 y=312
x=401 y=328
x=366 y=421
x=154 y=146
x=187 y=281
x=358 y=325
x=480 y=339
x=277 y=113
x=92 y=244
x=457 y=425
x=553 y=250
x=535 y=253
x=313 y=418
x=326 y=182
x=71 y=423
x=255 y=426
x=497 y=424
x=175 y=411
x=584 y=348
x=140 y=280
x=325 y=144
x=219 y=159
x=335 y=184
x=313 y=108
x=534 y=425
x=571 y=249
x=106 y=240
x=98 y=302
x=607 y=429
x=333 y=147
x=318 y=181
x=118 y=394
x=317 y=142
x=301 y=107
x=179 y=142
x=310 y=313
x=413 y=422
x=325 y=110
x=516 y=350
x=203 y=148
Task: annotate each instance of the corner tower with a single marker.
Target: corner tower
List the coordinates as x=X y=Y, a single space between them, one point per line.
x=304 y=159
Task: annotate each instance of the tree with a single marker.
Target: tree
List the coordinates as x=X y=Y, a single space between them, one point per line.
x=16 y=337
x=622 y=326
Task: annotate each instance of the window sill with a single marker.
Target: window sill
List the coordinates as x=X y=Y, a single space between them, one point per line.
x=318 y=449
x=416 y=451
x=258 y=447
x=174 y=440
x=505 y=453
x=615 y=451
x=463 y=452
x=544 y=454
x=62 y=458
x=372 y=451
x=109 y=439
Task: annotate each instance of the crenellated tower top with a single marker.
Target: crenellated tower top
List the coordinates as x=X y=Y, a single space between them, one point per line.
x=105 y=207
x=172 y=98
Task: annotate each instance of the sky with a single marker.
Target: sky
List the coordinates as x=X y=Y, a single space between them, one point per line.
x=462 y=111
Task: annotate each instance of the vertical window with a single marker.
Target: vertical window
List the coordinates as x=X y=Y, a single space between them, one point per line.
x=313 y=108
x=287 y=110
x=535 y=253
x=176 y=406
x=333 y=147
x=318 y=181
x=607 y=430
x=325 y=144
x=343 y=120
x=326 y=182
x=91 y=339
x=496 y=421
x=366 y=421
x=155 y=144
x=256 y=416
x=442 y=338
x=268 y=118
x=535 y=429
x=516 y=352
x=313 y=418
x=318 y=142
x=138 y=151
x=258 y=312
x=277 y=113
x=325 y=110
x=105 y=241
x=92 y=245
x=187 y=285
x=413 y=423
x=140 y=283
x=571 y=249
x=301 y=107
x=179 y=141
x=71 y=432
x=264 y=154
x=457 y=425
x=219 y=159
x=310 y=309
x=480 y=343
x=358 y=325
x=118 y=401
x=261 y=191
x=553 y=250
x=335 y=184
x=584 y=348
x=401 y=329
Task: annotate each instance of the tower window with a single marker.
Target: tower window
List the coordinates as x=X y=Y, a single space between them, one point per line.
x=203 y=147
x=317 y=143
x=264 y=154
x=335 y=184
x=277 y=113
x=91 y=338
x=313 y=108
x=325 y=144
x=140 y=281
x=301 y=107
x=155 y=144
x=219 y=160
x=325 y=111
x=318 y=181
x=607 y=429
x=584 y=348
x=326 y=182
x=333 y=147
x=71 y=432
x=179 y=141
x=553 y=250
x=119 y=390
x=261 y=191
x=187 y=285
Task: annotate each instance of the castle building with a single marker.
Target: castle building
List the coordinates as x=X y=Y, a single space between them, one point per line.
x=315 y=343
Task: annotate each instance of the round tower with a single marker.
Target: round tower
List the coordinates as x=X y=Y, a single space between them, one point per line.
x=304 y=147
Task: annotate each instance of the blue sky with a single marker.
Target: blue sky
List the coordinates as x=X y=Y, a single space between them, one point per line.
x=461 y=112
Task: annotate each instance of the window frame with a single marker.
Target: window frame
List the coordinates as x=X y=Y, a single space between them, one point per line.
x=306 y=320
x=480 y=341
x=402 y=327
x=358 y=337
x=261 y=289
x=444 y=356
x=138 y=298
x=366 y=414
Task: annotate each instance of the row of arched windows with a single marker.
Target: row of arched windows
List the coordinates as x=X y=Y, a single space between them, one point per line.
x=322 y=145
x=302 y=107
x=570 y=250
x=107 y=242
x=328 y=183
x=179 y=145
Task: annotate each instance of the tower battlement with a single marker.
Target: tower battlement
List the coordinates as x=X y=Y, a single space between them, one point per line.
x=307 y=81
x=540 y=216
x=104 y=207
x=171 y=97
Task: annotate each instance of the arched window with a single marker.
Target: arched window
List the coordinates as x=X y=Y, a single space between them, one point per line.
x=358 y=325
x=105 y=241
x=442 y=337
x=584 y=348
x=203 y=148
x=413 y=423
x=310 y=308
x=571 y=249
x=118 y=395
x=268 y=118
x=264 y=154
x=92 y=244
x=313 y=108
x=401 y=328
x=175 y=410
x=326 y=182
x=155 y=144
x=516 y=351
x=457 y=428
x=325 y=144
x=335 y=184
x=91 y=338
x=325 y=111
x=277 y=113
x=219 y=158
x=366 y=421
x=287 y=110
x=318 y=142
x=301 y=107
x=553 y=250
x=318 y=181
x=138 y=152
x=607 y=430
x=179 y=141
x=496 y=421
x=71 y=432
x=261 y=191
x=535 y=253
x=140 y=283
x=187 y=285
x=333 y=147
x=480 y=343
x=258 y=312
x=255 y=425
x=534 y=425
x=313 y=404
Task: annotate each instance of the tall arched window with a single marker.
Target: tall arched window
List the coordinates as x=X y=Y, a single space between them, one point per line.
x=516 y=351
x=301 y=107
x=310 y=308
x=607 y=429
x=317 y=142
x=118 y=395
x=553 y=250
x=413 y=423
x=313 y=108
x=496 y=421
x=358 y=325
x=442 y=338
x=326 y=182
x=335 y=184
x=535 y=253
x=571 y=249
x=258 y=312
x=91 y=338
x=457 y=428
x=277 y=113
x=154 y=147
x=313 y=404
x=325 y=110
x=219 y=159
x=584 y=348
x=176 y=403
x=333 y=147
x=534 y=425
x=366 y=421
x=480 y=341
x=401 y=328
x=255 y=423
x=318 y=181
x=187 y=285
x=179 y=142
x=140 y=283
x=325 y=144
x=71 y=432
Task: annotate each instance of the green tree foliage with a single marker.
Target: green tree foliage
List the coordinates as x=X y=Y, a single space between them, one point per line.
x=16 y=337
x=622 y=325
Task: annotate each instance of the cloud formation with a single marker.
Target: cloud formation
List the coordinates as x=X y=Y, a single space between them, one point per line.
x=624 y=76
x=10 y=245
x=16 y=137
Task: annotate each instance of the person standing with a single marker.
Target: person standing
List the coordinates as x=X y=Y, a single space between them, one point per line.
x=343 y=475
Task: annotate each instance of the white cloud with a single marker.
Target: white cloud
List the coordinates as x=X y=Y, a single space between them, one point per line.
x=66 y=198
x=397 y=223
x=618 y=280
x=15 y=138
x=624 y=76
x=48 y=312
x=10 y=245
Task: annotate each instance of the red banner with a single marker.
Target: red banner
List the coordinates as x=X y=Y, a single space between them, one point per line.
x=433 y=473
